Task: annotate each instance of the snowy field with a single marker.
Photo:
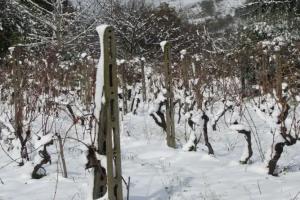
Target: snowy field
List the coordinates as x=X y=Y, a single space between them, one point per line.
x=158 y=172
x=228 y=88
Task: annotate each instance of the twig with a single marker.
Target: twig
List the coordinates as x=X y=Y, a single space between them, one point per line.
x=14 y=160
x=56 y=182
x=259 y=187
x=61 y=149
x=296 y=196
x=127 y=184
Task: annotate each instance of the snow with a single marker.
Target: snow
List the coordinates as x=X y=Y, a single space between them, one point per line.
x=163 y=44
x=194 y=69
x=121 y=61
x=11 y=50
x=83 y=55
x=284 y=86
x=239 y=127
x=277 y=48
x=227 y=7
x=4 y=124
x=183 y=52
x=43 y=140
x=100 y=72
x=158 y=172
x=90 y=184
x=190 y=142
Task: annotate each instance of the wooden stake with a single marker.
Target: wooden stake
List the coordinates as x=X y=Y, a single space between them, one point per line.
x=169 y=104
x=143 y=81
x=62 y=156
x=113 y=150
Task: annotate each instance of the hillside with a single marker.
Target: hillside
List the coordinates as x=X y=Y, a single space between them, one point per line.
x=222 y=7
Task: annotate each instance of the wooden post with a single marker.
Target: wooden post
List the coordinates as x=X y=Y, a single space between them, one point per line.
x=143 y=80
x=184 y=74
x=169 y=103
x=185 y=65
x=111 y=115
x=124 y=88
x=62 y=156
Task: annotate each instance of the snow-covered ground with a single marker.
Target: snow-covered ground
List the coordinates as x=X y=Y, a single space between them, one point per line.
x=158 y=172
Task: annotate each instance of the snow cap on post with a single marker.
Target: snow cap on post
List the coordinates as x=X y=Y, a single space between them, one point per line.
x=100 y=73
x=163 y=44
x=183 y=52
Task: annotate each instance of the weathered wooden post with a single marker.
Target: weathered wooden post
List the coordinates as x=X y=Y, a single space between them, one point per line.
x=166 y=47
x=109 y=116
x=122 y=67
x=143 y=80
x=185 y=64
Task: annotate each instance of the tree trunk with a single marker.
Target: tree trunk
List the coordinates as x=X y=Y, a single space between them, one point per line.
x=207 y=143
x=273 y=162
x=247 y=135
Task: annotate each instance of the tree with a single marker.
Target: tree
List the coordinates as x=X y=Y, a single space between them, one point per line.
x=11 y=26
x=140 y=27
